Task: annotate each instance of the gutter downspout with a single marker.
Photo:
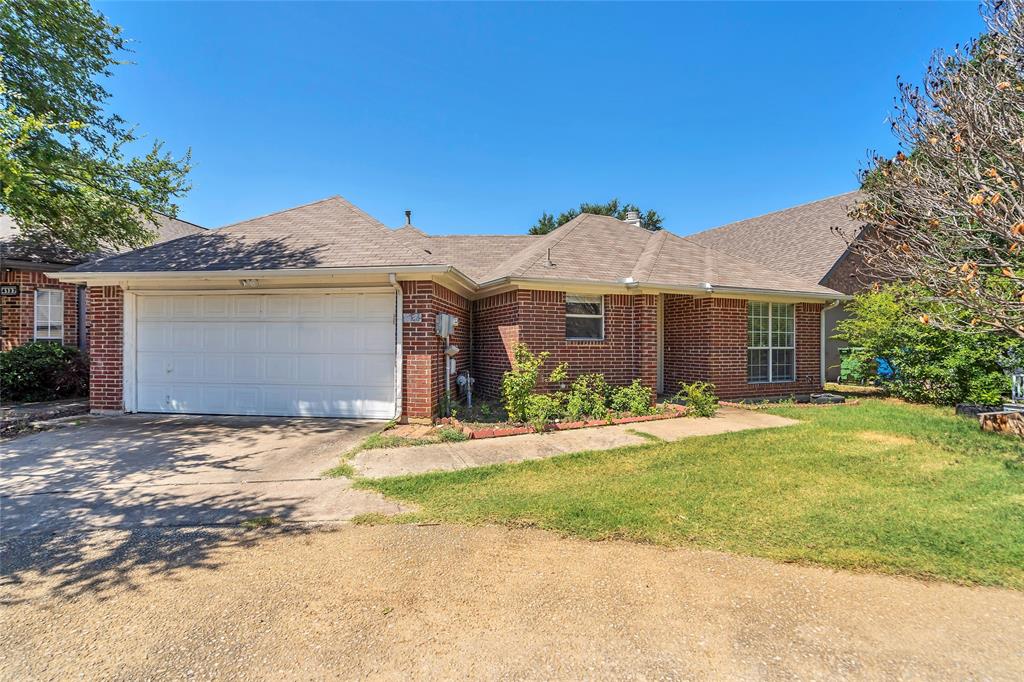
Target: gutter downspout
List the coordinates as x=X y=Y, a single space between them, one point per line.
x=830 y=306
x=398 y=344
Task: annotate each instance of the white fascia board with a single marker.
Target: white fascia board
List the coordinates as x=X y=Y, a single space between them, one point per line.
x=404 y=272
x=649 y=288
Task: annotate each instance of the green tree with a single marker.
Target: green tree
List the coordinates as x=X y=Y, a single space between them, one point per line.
x=931 y=364
x=67 y=174
x=649 y=220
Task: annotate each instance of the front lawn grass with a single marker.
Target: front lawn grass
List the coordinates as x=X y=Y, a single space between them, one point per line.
x=882 y=486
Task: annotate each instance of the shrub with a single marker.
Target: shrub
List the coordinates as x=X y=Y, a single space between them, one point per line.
x=931 y=365
x=588 y=397
x=519 y=384
x=450 y=434
x=43 y=370
x=635 y=398
x=699 y=398
x=541 y=409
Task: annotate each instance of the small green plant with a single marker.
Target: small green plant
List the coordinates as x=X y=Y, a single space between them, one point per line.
x=450 y=434
x=635 y=398
x=43 y=370
x=261 y=522
x=699 y=398
x=519 y=384
x=588 y=397
x=541 y=409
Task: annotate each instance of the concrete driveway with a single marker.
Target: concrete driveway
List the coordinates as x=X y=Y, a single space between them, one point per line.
x=146 y=470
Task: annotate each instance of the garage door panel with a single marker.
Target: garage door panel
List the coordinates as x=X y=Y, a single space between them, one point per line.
x=378 y=337
x=216 y=367
x=246 y=337
x=377 y=307
x=152 y=308
x=247 y=369
x=342 y=307
x=245 y=307
x=216 y=338
x=328 y=355
x=377 y=371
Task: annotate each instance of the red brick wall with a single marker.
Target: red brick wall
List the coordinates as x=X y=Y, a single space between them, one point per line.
x=423 y=370
x=629 y=349
x=17 y=313
x=106 y=354
x=495 y=334
x=706 y=339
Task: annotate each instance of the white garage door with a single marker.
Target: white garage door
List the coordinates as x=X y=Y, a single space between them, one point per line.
x=315 y=355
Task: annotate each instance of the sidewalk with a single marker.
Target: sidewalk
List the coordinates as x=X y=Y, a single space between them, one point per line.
x=379 y=463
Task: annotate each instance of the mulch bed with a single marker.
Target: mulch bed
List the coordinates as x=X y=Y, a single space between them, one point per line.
x=499 y=430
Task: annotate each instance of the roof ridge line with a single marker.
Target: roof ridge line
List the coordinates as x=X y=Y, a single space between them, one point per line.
x=579 y=220
x=648 y=258
x=768 y=213
x=283 y=210
x=477 y=234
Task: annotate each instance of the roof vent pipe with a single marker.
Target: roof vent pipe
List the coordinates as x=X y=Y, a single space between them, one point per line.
x=633 y=218
x=549 y=263
x=408 y=217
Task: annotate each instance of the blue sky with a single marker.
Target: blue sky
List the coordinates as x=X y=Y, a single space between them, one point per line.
x=478 y=117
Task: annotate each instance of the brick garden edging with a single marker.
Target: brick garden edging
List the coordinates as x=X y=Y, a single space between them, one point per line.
x=679 y=411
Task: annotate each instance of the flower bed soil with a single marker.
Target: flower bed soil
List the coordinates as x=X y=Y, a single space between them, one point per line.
x=506 y=429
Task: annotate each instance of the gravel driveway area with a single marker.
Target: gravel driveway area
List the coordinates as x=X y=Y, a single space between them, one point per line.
x=400 y=602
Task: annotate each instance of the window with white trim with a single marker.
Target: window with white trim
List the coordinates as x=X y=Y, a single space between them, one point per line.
x=49 y=314
x=771 y=342
x=584 y=318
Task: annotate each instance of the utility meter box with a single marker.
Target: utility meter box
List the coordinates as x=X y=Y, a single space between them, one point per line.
x=446 y=325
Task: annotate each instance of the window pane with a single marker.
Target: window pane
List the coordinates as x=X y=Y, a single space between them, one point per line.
x=582 y=305
x=782 y=325
x=757 y=324
x=783 y=365
x=583 y=327
x=49 y=314
x=757 y=365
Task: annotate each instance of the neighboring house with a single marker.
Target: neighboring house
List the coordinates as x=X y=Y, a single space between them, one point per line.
x=34 y=306
x=321 y=310
x=811 y=242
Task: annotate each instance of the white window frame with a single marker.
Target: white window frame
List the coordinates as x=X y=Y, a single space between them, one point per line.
x=771 y=347
x=579 y=298
x=49 y=321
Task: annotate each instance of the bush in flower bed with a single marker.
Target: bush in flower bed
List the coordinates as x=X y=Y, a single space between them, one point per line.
x=588 y=399
x=43 y=370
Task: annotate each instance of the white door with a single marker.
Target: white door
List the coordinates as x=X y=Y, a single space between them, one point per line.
x=310 y=355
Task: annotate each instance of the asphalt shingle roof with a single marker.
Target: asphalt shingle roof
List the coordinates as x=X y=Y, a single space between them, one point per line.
x=330 y=233
x=800 y=240
x=333 y=233
x=17 y=248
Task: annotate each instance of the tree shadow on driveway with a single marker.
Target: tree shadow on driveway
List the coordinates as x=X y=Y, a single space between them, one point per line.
x=95 y=504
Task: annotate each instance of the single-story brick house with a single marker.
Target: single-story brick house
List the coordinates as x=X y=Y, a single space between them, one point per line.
x=811 y=242
x=33 y=305
x=322 y=310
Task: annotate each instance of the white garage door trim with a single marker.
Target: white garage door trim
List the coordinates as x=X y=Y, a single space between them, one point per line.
x=334 y=402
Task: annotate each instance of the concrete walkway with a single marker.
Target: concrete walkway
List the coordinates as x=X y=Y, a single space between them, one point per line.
x=384 y=462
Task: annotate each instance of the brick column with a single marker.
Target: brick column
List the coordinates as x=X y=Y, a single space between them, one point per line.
x=645 y=339
x=106 y=348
